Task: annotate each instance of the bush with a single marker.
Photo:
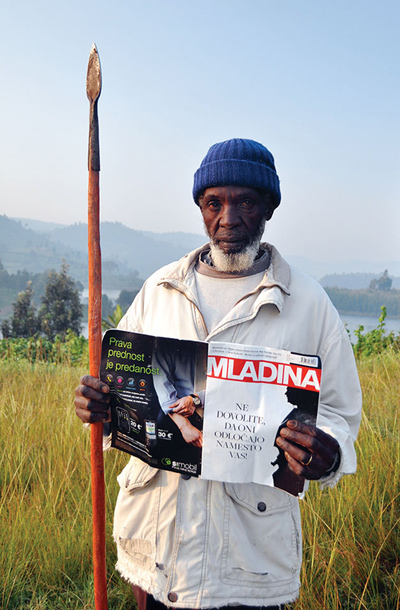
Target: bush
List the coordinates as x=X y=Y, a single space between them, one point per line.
x=376 y=341
x=70 y=350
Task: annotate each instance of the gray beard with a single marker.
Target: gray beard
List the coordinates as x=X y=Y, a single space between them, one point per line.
x=238 y=261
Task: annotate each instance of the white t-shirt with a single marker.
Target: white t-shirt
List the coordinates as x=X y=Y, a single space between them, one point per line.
x=218 y=292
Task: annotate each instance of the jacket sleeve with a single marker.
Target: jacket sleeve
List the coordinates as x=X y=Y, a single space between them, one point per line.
x=132 y=319
x=339 y=412
x=164 y=383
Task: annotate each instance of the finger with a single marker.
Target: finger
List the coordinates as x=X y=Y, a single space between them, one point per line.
x=304 y=463
x=305 y=440
x=92 y=416
x=93 y=406
x=324 y=438
x=294 y=451
x=311 y=440
x=317 y=442
x=95 y=383
x=299 y=469
x=90 y=393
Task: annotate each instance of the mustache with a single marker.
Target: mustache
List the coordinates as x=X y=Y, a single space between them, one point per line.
x=234 y=234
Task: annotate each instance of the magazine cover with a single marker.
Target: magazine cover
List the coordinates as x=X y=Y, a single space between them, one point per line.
x=149 y=377
x=252 y=391
x=208 y=409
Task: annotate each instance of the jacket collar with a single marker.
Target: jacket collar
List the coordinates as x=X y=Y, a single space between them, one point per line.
x=277 y=274
x=272 y=290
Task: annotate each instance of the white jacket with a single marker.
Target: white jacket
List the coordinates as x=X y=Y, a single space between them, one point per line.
x=196 y=544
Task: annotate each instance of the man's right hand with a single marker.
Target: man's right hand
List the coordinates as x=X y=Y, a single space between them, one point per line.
x=92 y=399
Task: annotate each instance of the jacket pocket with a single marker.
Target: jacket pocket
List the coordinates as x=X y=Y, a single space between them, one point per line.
x=262 y=536
x=136 y=514
x=135 y=475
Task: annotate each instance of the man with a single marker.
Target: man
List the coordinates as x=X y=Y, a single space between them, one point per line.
x=175 y=386
x=189 y=543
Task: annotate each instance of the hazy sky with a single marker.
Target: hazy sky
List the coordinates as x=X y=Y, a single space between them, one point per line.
x=316 y=81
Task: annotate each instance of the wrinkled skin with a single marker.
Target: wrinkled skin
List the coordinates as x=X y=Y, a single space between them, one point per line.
x=300 y=442
x=232 y=216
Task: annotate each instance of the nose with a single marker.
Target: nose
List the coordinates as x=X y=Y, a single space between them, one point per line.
x=230 y=216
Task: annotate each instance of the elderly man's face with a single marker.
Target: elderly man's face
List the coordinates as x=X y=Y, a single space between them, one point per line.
x=233 y=216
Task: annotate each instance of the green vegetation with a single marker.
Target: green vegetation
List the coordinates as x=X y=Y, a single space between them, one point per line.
x=351 y=540
x=45 y=502
x=352 y=543
x=367 y=302
x=69 y=350
x=113 y=319
x=61 y=307
x=377 y=340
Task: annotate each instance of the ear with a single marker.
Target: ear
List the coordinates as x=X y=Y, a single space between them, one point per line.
x=269 y=212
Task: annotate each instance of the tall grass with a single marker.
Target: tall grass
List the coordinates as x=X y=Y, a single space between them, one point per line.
x=45 y=501
x=351 y=533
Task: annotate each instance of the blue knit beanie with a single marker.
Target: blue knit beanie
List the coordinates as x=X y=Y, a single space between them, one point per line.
x=240 y=163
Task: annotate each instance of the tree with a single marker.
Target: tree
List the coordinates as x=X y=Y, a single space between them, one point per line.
x=24 y=322
x=61 y=307
x=6 y=329
x=384 y=282
x=125 y=298
x=107 y=306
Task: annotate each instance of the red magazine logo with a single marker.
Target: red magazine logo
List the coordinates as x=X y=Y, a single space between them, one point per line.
x=261 y=371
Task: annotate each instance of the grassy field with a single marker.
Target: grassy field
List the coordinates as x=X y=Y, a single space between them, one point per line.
x=351 y=533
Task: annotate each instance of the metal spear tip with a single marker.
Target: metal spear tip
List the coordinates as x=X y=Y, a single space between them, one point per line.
x=93 y=78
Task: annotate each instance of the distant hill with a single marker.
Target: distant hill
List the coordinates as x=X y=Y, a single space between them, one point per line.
x=354 y=281
x=22 y=248
x=127 y=254
x=365 y=302
x=38 y=246
x=320 y=269
x=129 y=249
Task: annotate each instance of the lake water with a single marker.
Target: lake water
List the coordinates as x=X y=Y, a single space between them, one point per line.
x=369 y=323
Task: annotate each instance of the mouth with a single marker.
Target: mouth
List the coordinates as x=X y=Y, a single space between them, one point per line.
x=231 y=243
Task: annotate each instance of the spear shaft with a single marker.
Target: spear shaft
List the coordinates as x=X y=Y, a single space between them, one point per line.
x=93 y=89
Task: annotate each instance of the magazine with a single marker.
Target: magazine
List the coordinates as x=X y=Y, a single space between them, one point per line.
x=212 y=410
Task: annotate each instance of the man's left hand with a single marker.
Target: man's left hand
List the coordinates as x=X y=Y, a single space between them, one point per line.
x=309 y=451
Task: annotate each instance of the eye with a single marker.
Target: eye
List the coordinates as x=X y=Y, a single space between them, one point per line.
x=247 y=204
x=214 y=205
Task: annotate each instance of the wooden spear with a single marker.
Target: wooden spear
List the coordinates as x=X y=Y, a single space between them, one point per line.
x=93 y=89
